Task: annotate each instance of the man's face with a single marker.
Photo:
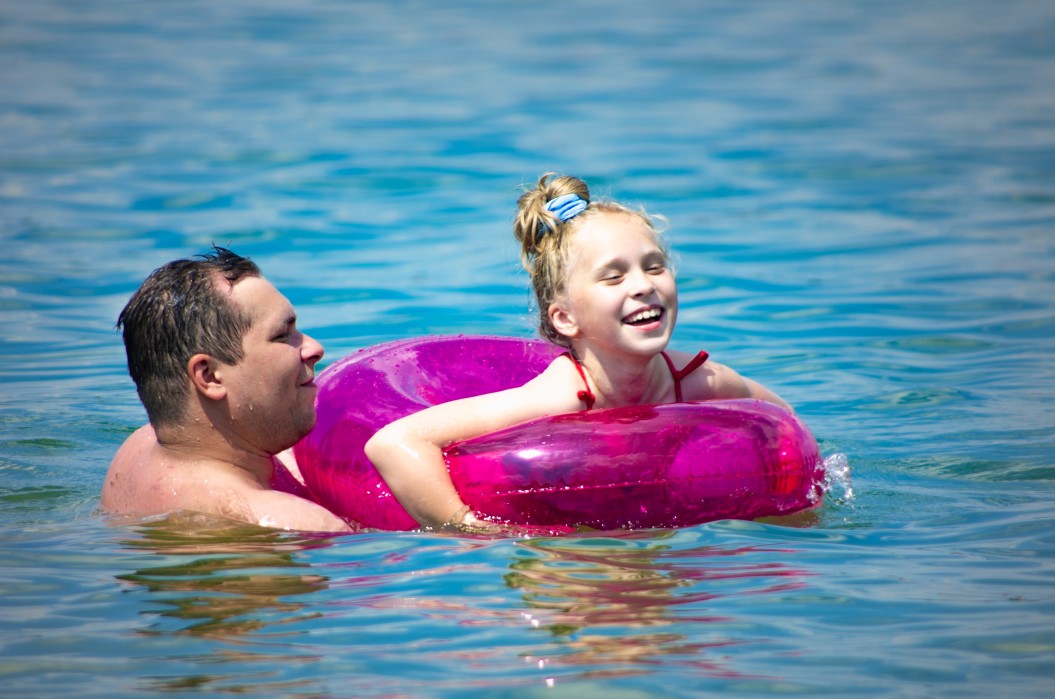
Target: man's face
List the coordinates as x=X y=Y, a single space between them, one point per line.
x=271 y=391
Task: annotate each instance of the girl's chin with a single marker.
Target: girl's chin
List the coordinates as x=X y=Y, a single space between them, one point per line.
x=652 y=344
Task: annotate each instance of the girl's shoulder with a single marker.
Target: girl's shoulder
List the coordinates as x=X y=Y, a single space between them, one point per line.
x=709 y=380
x=713 y=380
x=558 y=386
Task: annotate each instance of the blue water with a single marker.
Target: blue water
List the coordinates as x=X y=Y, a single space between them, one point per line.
x=861 y=197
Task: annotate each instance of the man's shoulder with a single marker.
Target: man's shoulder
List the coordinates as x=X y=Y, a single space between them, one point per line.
x=126 y=468
x=145 y=479
x=136 y=447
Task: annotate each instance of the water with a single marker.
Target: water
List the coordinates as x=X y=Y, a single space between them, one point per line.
x=861 y=197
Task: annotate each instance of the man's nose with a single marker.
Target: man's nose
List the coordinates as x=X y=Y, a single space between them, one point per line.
x=312 y=349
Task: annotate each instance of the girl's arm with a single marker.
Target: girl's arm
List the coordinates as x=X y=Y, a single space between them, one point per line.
x=408 y=452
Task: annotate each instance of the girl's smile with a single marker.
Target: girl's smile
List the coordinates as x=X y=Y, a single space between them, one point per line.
x=645 y=318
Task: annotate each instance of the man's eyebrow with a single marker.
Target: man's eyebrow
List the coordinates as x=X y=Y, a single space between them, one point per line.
x=283 y=322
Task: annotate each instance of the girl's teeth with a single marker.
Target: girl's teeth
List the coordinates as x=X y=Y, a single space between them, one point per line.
x=650 y=314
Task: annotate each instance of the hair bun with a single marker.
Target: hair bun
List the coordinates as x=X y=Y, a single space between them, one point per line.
x=534 y=222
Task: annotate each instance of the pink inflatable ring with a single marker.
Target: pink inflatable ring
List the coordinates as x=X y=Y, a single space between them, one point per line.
x=668 y=465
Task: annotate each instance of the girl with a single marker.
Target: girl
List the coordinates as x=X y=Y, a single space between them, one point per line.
x=605 y=292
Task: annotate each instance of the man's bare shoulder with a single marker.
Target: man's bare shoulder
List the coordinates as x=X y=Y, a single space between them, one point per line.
x=146 y=479
x=135 y=468
x=135 y=449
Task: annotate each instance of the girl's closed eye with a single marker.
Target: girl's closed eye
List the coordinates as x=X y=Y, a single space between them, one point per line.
x=656 y=265
x=611 y=273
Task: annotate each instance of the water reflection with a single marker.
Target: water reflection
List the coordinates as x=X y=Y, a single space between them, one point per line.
x=228 y=582
x=636 y=599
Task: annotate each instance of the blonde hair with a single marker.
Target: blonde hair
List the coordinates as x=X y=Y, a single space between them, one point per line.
x=544 y=239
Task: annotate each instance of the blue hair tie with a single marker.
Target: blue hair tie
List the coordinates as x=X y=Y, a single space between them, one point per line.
x=566 y=207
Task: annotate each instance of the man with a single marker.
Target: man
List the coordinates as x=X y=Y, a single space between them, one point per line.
x=227 y=381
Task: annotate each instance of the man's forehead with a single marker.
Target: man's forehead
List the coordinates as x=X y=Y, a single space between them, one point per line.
x=225 y=285
x=259 y=299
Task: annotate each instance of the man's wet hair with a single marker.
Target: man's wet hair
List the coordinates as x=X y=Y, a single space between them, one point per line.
x=183 y=309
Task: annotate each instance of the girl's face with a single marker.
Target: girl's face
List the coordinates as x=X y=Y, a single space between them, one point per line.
x=620 y=293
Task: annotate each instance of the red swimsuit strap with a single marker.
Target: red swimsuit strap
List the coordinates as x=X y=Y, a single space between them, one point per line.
x=679 y=374
x=586 y=396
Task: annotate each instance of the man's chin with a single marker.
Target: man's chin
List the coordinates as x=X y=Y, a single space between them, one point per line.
x=296 y=433
x=306 y=426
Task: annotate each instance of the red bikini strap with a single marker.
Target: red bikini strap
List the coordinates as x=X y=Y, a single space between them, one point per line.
x=586 y=396
x=678 y=375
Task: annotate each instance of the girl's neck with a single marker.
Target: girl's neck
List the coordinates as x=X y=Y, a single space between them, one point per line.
x=624 y=380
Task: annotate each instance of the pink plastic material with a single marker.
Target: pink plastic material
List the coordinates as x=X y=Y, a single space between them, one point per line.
x=666 y=465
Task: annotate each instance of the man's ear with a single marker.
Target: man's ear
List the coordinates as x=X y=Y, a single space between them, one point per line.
x=563 y=320
x=206 y=376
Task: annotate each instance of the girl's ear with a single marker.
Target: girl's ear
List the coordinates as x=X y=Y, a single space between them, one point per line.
x=563 y=320
x=205 y=375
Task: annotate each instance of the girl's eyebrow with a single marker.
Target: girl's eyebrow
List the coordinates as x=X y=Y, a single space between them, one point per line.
x=611 y=262
x=619 y=263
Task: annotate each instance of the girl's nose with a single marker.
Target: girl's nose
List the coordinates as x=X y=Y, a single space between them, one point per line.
x=642 y=283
